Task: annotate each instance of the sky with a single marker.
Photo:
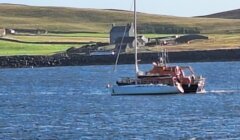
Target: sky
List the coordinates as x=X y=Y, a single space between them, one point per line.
x=183 y=8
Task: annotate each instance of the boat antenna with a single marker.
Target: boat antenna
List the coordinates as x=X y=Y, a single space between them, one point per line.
x=163 y=58
x=167 y=58
x=135 y=36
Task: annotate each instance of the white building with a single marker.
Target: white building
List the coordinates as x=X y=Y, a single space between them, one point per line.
x=2 y=32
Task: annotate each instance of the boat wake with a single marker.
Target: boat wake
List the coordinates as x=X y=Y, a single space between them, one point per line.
x=96 y=92
x=202 y=91
x=222 y=91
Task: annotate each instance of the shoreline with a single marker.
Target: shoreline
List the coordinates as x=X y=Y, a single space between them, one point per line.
x=27 y=61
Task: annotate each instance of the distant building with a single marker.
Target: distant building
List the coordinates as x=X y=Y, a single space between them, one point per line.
x=121 y=31
x=10 y=31
x=123 y=43
x=142 y=41
x=128 y=42
x=167 y=40
x=27 y=31
x=2 y=32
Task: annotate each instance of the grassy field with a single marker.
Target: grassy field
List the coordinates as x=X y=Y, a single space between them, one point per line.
x=73 y=37
x=93 y=35
x=10 y=48
x=47 y=38
x=69 y=25
x=233 y=14
x=92 y=20
x=216 y=41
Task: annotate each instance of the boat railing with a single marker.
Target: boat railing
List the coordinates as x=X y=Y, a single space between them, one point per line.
x=127 y=80
x=168 y=80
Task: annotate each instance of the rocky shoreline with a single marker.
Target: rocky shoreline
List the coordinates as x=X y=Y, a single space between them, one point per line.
x=26 y=61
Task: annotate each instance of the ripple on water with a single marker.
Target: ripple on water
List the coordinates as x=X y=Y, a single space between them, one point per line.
x=59 y=103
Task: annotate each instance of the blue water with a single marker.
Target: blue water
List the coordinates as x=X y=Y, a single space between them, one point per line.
x=73 y=103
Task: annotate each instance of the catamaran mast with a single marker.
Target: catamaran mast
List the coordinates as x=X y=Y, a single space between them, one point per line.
x=135 y=36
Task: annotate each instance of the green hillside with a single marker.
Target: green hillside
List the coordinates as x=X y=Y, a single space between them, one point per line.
x=92 y=20
x=233 y=14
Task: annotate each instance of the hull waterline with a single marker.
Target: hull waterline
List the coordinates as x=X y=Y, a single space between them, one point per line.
x=146 y=90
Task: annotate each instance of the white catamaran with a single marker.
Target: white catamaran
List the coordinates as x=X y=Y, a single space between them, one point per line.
x=138 y=86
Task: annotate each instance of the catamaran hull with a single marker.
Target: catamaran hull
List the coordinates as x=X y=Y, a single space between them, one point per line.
x=193 y=88
x=145 y=90
x=190 y=88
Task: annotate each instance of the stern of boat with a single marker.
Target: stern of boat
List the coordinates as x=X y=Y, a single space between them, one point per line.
x=201 y=83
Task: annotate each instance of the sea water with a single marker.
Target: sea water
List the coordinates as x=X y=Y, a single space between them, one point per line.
x=74 y=103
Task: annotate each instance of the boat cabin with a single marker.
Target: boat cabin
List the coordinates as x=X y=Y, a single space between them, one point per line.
x=172 y=71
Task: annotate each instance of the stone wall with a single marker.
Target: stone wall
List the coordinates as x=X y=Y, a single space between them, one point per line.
x=79 y=60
